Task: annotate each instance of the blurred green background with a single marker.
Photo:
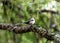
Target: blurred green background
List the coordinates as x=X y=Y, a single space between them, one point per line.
x=15 y=11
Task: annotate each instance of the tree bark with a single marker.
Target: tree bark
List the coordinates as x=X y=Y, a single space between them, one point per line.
x=31 y=28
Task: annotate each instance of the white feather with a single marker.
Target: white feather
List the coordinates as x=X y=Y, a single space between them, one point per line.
x=32 y=21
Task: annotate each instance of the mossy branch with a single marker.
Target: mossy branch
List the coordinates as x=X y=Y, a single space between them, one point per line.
x=30 y=28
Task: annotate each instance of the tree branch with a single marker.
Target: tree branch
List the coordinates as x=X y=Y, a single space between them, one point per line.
x=30 y=28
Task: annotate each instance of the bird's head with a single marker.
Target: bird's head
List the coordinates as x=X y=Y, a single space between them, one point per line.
x=32 y=20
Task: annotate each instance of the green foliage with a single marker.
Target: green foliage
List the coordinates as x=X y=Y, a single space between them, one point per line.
x=21 y=11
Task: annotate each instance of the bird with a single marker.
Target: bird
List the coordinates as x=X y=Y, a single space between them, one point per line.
x=30 y=21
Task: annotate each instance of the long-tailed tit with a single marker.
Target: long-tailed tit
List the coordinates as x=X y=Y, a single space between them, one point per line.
x=31 y=21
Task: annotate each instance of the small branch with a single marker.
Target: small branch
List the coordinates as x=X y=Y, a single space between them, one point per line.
x=53 y=12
